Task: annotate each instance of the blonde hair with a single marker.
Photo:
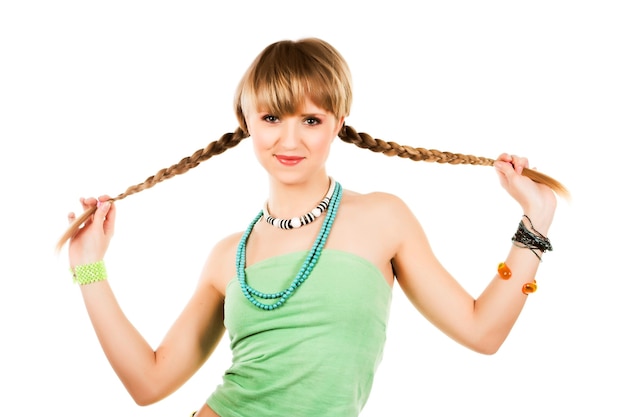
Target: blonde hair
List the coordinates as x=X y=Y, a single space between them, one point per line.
x=287 y=73
x=279 y=80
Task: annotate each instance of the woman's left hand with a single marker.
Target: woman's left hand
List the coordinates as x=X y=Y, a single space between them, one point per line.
x=538 y=201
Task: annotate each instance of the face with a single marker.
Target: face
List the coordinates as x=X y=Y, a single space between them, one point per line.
x=293 y=148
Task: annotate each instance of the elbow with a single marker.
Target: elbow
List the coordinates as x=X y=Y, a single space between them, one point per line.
x=144 y=396
x=487 y=339
x=488 y=350
x=488 y=345
x=144 y=399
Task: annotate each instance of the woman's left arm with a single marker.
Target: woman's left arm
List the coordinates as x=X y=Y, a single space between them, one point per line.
x=481 y=324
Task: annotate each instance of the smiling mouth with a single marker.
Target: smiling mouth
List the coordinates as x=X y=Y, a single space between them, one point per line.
x=288 y=160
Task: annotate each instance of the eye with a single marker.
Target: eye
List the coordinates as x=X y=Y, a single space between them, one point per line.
x=312 y=121
x=270 y=118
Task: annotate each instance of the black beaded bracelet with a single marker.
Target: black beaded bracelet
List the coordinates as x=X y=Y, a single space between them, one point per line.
x=534 y=240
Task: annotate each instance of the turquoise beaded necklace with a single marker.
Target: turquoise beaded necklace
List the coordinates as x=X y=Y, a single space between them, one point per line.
x=306 y=269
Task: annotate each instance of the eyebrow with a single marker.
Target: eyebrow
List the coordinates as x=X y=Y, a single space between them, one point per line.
x=313 y=114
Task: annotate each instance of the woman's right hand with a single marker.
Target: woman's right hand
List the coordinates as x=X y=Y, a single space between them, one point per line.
x=91 y=241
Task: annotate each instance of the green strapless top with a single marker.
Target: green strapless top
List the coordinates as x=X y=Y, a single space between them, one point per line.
x=313 y=357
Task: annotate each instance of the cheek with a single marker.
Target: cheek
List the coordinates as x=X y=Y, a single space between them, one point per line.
x=262 y=146
x=257 y=147
x=321 y=147
x=321 y=144
x=260 y=139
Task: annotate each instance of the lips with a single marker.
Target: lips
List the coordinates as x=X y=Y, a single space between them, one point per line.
x=288 y=160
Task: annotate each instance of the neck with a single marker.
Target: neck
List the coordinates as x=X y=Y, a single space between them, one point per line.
x=290 y=200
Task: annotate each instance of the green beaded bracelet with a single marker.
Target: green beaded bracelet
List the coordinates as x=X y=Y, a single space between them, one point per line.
x=89 y=273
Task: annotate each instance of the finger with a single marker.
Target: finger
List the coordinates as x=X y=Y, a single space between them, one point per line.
x=71 y=217
x=519 y=163
x=87 y=203
x=504 y=168
x=109 y=221
x=101 y=212
x=505 y=157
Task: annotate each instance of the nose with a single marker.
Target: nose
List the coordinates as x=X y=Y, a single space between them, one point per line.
x=289 y=134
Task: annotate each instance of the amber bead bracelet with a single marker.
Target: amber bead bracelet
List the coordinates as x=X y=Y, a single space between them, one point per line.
x=505 y=273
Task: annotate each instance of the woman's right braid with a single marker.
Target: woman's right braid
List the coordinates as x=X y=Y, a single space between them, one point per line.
x=227 y=141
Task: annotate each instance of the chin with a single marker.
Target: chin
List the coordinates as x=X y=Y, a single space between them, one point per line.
x=291 y=178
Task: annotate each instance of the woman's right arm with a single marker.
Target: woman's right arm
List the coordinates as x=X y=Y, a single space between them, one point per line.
x=149 y=375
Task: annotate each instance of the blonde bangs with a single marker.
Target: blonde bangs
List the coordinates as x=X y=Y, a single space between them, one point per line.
x=288 y=73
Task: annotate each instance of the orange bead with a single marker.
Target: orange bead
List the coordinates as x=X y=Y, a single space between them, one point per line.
x=529 y=287
x=504 y=271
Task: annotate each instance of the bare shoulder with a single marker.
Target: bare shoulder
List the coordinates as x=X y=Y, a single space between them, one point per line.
x=373 y=225
x=376 y=204
x=219 y=267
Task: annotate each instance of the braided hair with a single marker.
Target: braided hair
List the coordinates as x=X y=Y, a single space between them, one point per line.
x=282 y=77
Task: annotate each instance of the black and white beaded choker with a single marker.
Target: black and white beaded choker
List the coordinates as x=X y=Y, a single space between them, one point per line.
x=305 y=219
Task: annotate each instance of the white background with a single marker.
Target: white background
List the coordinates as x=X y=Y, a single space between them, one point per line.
x=97 y=96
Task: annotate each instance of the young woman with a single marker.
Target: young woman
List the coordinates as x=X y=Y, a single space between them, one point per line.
x=304 y=291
